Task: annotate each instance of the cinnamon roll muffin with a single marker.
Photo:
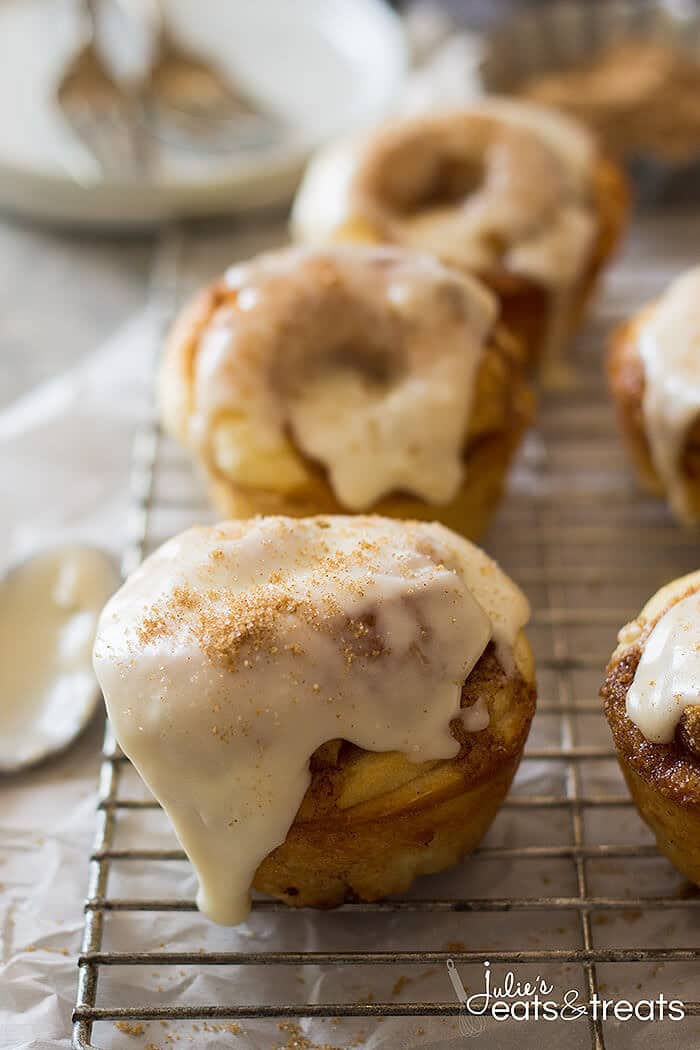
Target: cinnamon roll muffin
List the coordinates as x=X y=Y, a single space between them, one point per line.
x=652 y=701
x=509 y=191
x=325 y=707
x=347 y=378
x=642 y=97
x=654 y=376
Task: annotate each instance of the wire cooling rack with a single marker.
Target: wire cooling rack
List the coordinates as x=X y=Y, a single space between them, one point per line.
x=567 y=885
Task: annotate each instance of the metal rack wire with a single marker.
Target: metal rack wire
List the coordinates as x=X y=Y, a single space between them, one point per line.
x=589 y=550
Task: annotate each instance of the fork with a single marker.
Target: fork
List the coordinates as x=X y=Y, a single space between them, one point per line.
x=190 y=100
x=98 y=109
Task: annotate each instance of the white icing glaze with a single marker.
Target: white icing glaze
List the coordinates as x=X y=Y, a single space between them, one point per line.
x=235 y=651
x=476 y=718
x=669 y=346
x=367 y=356
x=566 y=137
x=538 y=199
x=667 y=679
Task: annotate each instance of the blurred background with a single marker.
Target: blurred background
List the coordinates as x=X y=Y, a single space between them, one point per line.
x=135 y=114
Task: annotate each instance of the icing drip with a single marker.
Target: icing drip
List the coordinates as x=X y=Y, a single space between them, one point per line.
x=667 y=679
x=235 y=651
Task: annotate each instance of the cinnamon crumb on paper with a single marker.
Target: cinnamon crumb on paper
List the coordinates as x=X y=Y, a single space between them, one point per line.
x=298 y=1041
x=130 y=1029
x=400 y=984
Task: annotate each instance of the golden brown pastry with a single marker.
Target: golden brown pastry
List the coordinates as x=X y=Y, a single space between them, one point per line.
x=654 y=376
x=348 y=378
x=642 y=98
x=652 y=701
x=325 y=707
x=511 y=192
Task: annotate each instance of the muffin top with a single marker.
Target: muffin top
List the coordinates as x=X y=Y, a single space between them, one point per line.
x=358 y=360
x=640 y=96
x=502 y=184
x=236 y=651
x=668 y=342
x=652 y=690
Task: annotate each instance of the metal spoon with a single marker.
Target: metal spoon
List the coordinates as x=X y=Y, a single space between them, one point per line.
x=49 y=606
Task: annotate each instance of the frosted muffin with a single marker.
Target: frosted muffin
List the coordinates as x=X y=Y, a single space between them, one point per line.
x=349 y=378
x=506 y=190
x=654 y=375
x=642 y=98
x=652 y=702
x=325 y=707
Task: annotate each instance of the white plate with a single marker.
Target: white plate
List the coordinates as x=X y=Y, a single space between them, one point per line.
x=324 y=66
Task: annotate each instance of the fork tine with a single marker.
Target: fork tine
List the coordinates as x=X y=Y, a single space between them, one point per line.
x=102 y=114
x=109 y=138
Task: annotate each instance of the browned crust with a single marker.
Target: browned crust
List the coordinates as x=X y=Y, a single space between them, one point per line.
x=503 y=409
x=378 y=845
x=612 y=195
x=676 y=826
x=659 y=118
x=524 y=309
x=177 y=369
x=469 y=513
x=525 y=305
x=627 y=382
x=672 y=769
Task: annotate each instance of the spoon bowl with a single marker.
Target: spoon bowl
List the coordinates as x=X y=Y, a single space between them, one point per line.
x=49 y=606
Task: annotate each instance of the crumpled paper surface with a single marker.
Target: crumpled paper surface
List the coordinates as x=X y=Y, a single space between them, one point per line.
x=47 y=815
x=64 y=456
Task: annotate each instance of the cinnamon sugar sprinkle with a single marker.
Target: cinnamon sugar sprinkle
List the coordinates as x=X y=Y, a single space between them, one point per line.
x=224 y=621
x=224 y=675
x=129 y=1029
x=297 y=1040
